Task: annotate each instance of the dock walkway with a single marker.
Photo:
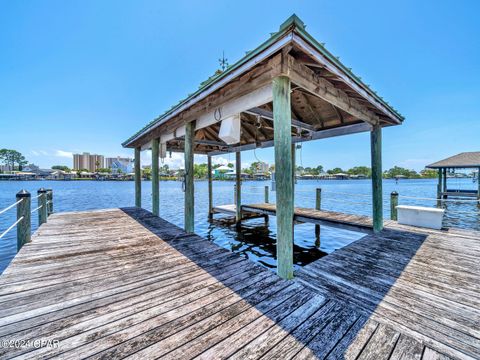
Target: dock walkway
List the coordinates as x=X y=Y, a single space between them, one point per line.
x=124 y=283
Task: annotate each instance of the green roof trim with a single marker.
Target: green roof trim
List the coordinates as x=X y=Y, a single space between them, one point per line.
x=293 y=22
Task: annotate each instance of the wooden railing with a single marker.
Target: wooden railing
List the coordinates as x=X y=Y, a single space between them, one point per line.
x=23 y=205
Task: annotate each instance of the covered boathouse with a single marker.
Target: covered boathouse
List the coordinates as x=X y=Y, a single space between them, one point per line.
x=289 y=89
x=125 y=283
x=465 y=160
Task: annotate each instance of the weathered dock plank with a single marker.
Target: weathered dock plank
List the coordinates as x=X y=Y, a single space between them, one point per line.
x=124 y=283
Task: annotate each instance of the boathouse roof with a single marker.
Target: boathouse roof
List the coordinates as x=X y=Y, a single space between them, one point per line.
x=463 y=160
x=326 y=95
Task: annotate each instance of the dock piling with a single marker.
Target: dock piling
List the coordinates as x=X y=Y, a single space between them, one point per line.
x=210 y=188
x=282 y=128
x=49 y=202
x=23 y=218
x=478 y=185
x=376 y=154
x=238 y=188
x=266 y=217
x=42 y=206
x=155 y=177
x=318 y=204
x=138 y=178
x=189 y=184
x=393 y=205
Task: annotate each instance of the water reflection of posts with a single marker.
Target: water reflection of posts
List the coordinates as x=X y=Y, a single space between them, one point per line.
x=318 y=204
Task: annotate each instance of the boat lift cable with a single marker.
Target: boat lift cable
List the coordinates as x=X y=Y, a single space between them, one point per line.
x=11 y=206
x=11 y=227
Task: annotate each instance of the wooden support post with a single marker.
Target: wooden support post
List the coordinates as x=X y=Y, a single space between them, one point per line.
x=189 y=184
x=376 y=153
x=318 y=205
x=393 y=205
x=210 y=188
x=155 y=177
x=138 y=179
x=478 y=184
x=238 y=187
x=49 y=202
x=283 y=174
x=444 y=186
x=294 y=166
x=42 y=205
x=439 y=187
x=266 y=217
x=23 y=213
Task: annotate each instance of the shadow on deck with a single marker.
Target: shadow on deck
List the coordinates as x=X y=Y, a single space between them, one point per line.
x=105 y=286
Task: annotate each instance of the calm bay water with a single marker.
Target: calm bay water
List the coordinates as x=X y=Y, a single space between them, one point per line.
x=255 y=241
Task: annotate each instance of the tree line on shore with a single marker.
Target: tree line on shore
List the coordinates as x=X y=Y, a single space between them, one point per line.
x=16 y=161
x=200 y=171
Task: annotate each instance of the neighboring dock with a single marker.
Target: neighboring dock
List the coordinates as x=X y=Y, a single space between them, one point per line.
x=122 y=282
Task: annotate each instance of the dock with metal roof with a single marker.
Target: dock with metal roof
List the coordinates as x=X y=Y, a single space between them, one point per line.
x=124 y=283
x=446 y=167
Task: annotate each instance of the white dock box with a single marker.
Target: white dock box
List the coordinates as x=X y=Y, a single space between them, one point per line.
x=421 y=216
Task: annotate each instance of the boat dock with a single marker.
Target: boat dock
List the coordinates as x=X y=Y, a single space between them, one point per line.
x=124 y=283
x=304 y=215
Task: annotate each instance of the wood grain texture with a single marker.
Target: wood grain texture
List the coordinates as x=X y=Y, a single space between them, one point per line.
x=282 y=114
x=377 y=193
x=138 y=178
x=155 y=177
x=122 y=283
x=189 y=181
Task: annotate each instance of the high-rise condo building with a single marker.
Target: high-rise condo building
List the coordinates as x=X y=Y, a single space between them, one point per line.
x=90 y=162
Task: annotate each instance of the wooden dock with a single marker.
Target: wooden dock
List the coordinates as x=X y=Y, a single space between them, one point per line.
x=124 y=283
x=304 y=215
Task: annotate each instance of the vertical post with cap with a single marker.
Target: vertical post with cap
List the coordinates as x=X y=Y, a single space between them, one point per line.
x=138 y=179
x=23 y=213
x=439 y=187
x=376 y=155
x=49 y=202
x=393 y=205
x=42 y=206
x=155 y=179
x=282 y=129
x=189 y=184
x=318 y=204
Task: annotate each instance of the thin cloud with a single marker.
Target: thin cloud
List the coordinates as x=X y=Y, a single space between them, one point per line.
x=65 y=154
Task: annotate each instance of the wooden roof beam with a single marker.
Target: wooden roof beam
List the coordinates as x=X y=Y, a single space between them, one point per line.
x=268 y=115
x=318 y=86
x=316 y=135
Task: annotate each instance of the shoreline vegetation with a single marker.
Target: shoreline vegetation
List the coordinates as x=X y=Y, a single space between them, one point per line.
x=14 y=166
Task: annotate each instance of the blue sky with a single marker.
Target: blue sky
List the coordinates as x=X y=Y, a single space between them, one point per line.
x=84 y=75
